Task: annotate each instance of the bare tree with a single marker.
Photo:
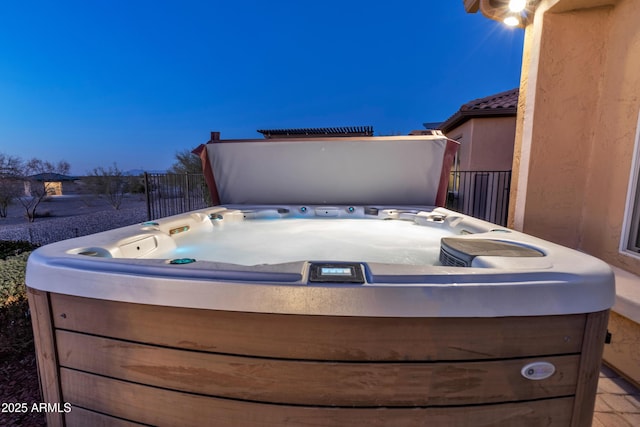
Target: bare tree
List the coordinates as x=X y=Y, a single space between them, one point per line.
x=36 y=186
x=111 y=183
x=11 y=186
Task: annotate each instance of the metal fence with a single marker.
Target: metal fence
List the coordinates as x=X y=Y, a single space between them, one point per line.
x=482 y=194
x=171 y=194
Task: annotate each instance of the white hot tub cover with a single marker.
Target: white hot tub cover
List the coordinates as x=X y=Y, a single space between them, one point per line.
x=409 y=169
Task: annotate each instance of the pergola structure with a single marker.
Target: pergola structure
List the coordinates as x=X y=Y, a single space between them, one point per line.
x=318 y=132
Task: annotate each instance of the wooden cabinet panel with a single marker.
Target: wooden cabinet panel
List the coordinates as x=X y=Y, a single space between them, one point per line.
x=318 y=382
x=85 y=418
x=322 y=337
x=157 y=406
x=127 y=364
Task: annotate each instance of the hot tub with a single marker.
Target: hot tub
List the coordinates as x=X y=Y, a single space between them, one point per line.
x=331 y=314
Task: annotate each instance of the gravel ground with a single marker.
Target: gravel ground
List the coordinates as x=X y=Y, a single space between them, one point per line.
x=66 y=217
x=60 y=218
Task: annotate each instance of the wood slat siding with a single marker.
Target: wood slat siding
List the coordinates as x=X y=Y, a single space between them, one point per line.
x=322 y=337
x=85 y=418
x=161 y=407
x=130 y=364
x=316 y=383
x=589 y=372
x=45 y=352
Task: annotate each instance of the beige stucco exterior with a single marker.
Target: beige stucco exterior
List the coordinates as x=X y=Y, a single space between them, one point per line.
x=574 y=143
x=486 y=143
x=576 y=130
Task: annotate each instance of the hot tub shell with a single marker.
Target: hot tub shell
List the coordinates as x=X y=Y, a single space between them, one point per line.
x=512 y=338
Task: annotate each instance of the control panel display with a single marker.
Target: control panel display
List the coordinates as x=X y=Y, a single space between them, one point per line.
x=336 y=273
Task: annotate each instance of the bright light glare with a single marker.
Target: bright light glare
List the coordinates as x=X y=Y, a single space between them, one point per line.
x=511 y=21
x=517 y=6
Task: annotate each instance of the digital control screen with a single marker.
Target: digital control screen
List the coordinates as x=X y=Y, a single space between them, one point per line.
x=336 y=272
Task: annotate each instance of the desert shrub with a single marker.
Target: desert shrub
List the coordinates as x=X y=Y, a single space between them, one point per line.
x=111 y=183
x=43 y=214
x=136 y=185
x=12 y=272
x=12 y=248
x=16 y=335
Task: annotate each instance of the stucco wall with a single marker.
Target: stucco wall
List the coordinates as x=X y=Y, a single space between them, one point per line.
x=486 y=144
x=614 y=139
x=582 y=128
x=492 y=143
x=463 y=134
x=577 y=120
x=520 y=169
x=572 y=50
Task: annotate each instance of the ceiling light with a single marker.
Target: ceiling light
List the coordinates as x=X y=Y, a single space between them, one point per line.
x=517 y=6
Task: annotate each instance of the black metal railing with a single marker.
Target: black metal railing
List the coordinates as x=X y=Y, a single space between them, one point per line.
x=172 y=194
x=482 y=194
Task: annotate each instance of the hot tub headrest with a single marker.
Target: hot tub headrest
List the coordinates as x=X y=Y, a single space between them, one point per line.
x=460 y=252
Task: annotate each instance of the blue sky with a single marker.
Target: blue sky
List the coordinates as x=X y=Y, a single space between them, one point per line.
x=132 y=82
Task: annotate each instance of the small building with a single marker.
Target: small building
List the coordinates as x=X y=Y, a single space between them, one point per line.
x=54 y=182
x=485 y=129
x=481 y=173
